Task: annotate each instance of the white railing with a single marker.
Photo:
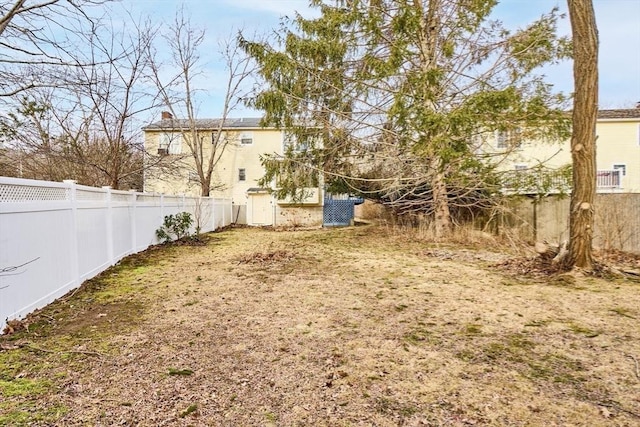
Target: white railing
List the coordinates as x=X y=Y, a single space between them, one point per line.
x=535 y=181
x=54 y=236
x=608 y=179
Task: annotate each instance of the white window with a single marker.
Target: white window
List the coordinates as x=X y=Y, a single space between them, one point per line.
x=501 y=139
x=508 y=138
x=620 y=167
x=194 y=177
x=246 y=138
x=291 y=141
x=521 y=167
x=242 y=174
x=170 y=143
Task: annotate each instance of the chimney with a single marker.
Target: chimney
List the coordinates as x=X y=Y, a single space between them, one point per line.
x=166 y=115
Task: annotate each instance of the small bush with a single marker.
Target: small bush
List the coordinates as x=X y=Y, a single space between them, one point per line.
x=175 y=227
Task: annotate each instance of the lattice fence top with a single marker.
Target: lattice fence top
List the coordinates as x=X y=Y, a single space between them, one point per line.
x=30 y=193
x=22 y=190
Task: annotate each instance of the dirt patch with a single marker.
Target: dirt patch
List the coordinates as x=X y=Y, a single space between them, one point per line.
x=262 y=258
x=349 y=326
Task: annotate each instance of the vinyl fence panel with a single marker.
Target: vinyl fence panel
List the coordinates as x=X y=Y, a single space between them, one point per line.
x=53 y=236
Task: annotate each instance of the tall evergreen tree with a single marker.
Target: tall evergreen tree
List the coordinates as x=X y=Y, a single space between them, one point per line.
x=393 y=97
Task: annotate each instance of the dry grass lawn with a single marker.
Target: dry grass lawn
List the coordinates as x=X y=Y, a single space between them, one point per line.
x=343 y=327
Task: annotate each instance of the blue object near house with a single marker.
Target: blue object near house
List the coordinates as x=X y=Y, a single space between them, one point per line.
x=338 y=210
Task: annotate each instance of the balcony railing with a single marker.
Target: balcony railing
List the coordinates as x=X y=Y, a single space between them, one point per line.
x=535 y=181
x=609 y=179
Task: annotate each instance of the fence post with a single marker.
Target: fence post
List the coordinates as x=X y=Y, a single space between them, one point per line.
x=134 y=224
x=213 y=214
x=161 y=208
x=197 y=212
x=275 y=212
x=75 y=262
x=224 y=209
x=109 y=224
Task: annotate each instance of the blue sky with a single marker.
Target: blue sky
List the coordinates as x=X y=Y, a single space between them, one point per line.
x=618 y=24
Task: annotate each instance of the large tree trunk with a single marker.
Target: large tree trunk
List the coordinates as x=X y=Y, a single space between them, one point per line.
x=205 y=189
x=583 y=140
x=441 y=213
x=430 y=28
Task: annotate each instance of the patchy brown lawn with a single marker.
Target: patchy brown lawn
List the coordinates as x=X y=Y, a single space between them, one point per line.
x=339 y=327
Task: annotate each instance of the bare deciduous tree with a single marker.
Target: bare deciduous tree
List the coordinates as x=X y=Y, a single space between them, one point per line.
x=113 y=95
x=178 y=94
x=86 y=128
x=39 y=39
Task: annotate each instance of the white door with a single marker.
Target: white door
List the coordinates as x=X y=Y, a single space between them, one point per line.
x=261 y=208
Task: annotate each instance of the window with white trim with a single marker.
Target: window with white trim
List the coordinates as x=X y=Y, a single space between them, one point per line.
x=246 y=138
x=170 y=143
x=508 y=138
x=194 y=177
x=501 y=139
x=291 y=141
x=620 y=167
x=242 y=174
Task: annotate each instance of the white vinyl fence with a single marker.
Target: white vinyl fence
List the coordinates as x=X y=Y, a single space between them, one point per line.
x=54 y=236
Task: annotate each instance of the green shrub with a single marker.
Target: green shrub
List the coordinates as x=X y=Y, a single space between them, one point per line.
x=175 y=227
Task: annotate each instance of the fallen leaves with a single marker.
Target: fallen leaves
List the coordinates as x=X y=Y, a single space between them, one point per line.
x=13 y=326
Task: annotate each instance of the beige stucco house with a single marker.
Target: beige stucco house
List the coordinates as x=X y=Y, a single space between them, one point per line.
x=242 y=143
x=617 y=157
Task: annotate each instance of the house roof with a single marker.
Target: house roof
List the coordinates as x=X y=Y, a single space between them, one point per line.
x=206 y=124
x=629 y=113
x=254 y=122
